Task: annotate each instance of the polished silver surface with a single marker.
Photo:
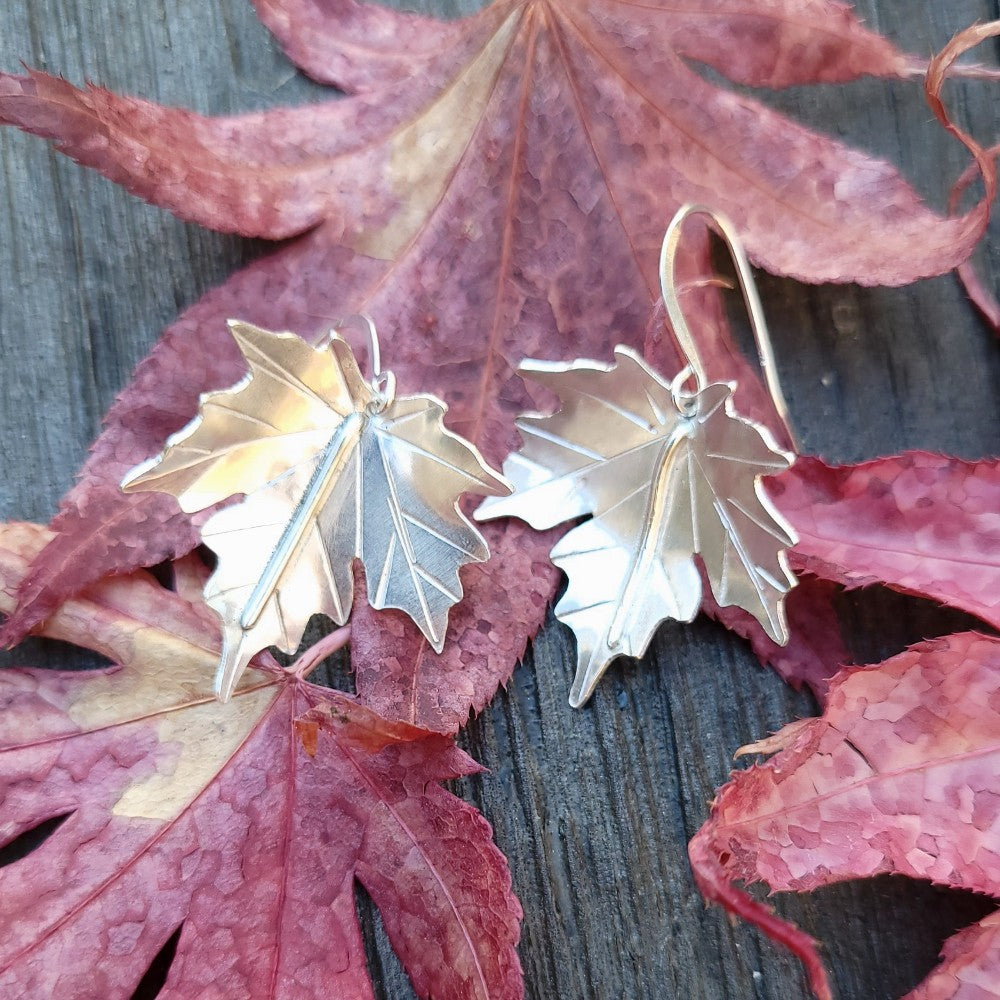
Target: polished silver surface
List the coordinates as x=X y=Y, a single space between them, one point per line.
x=333 y=467
x=667 y=475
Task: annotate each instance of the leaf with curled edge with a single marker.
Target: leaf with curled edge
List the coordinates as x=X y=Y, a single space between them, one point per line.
x=900 y=776
x=331 y=471
x=496 y=188
x=662 y=486
x=247 y=824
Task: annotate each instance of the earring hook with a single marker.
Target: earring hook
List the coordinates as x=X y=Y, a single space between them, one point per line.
x=751 y=298
x=375 y=351
x=383 y=383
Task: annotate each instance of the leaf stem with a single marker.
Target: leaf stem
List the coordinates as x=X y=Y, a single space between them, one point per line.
x=319 y=651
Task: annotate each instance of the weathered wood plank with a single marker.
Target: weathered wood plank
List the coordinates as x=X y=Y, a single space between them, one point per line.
x=594 y=807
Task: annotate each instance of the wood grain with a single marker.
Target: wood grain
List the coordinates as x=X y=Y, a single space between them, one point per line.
x=594 y=807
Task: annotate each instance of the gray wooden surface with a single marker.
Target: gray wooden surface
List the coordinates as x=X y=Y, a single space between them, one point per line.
x=593 y=808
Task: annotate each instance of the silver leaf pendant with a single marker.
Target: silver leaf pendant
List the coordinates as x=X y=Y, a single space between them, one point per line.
x=663 y=485
x=332 y=467
x=667 y=475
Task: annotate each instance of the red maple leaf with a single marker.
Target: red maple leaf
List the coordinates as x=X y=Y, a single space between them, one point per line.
x=245 y=825
x=498 y=187
x=899 y=775
x=922 y=524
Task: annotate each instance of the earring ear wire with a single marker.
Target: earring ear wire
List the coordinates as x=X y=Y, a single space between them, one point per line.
x=751 y=298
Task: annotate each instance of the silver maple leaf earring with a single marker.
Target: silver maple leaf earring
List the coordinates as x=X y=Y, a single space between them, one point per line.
x=332 y=467
x=667 y=472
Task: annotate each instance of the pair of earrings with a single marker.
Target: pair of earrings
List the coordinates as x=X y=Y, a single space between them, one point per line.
x=334 y=467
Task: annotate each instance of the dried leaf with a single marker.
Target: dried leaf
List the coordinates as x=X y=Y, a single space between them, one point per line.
x=920 y=523
x=184 y=812
x=970 y=969
x=663 y=486
x=980 y=296
x=497 y=190
x=900 y=775
x=332 y=470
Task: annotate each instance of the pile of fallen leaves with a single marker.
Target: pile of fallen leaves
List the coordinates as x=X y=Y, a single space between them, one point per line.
x=492 y=188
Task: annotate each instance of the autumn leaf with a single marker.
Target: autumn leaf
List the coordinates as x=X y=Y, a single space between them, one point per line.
x=663 y=486
x=899 y=775
x=920 y=523
x=333 y=468
x=497 y=188
x=970 y=965
x=245 y=826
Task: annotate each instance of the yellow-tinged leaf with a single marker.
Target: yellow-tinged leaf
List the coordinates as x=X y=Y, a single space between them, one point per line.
x=181 y=811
